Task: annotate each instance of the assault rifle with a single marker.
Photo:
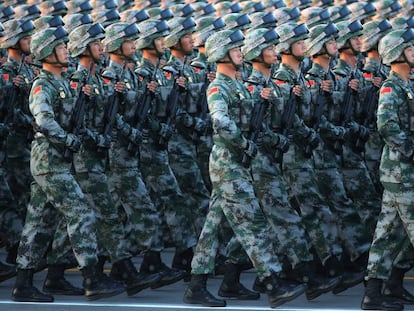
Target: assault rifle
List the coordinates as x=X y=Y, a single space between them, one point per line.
x=173 y=102
x=256 y=121
x=78 y=115
x=112 y=109
x=143 y=109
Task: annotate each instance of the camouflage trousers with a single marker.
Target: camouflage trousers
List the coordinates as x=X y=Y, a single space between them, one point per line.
x=373 y=152
x=166 y=194
x=394 y=227
x=271 y=190
x=139 y=215
x=110 y=230
x=67 y=198
x=183 y=159
x=203 y=153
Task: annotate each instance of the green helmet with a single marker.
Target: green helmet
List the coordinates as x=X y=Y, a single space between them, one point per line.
x=6 y=13
x=203 y=9
x=322 y=3
x=392 y=45
x=150 y=30
x=344 y=2
x=206 y=26
x=117 y=33
x=53 y=7
x=82 y=35
x=313 y=16
x=124 y=5
x=104 y=5
x=287 y=15
x=257 y=40
x=227 y=7
x=14 y=30
x=387 y=8
x=249 y=7
x=221 y=42
x=25 y=11
x=290 y=33
x=300 y=4
x=273 y=4
x=48 y=21
x=106 y=17
x=372 y=32
x=158 y=13
x=134 y=16
x=319 y=35
x=262 y=20
x=339 y=13
x=361 y=10
x=402 y=22
x=79 y=6
x=74 y=20
x=237 y=21
x=407 y=7
x=182 y=10
x=348 y=30
x=44 y=42
x=179 y=26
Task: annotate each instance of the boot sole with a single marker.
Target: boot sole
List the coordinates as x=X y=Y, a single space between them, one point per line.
x=162 y=283
x=286 y=299
x=379 y=307
x=62 y=292
x=104 y=295
x=185 y=300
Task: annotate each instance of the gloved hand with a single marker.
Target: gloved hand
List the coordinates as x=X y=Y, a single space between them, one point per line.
x=103 y=141
x=165 y=131
x=363 y=133
x=260 y=140
x=283 y=144
x=353 y=128
x=73 y=142
x=200 y=126
x=313 y=139
x=188 y=121
x=135 y=136
x=251 y=149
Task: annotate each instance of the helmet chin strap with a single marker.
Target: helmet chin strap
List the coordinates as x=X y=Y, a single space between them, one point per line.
x=260 y=59
x=230 y=61
x=298 y=58
x=96 y=60
x=348 y=45
x=57 y=62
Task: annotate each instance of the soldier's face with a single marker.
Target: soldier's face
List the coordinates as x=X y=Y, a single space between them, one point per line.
x=409 y=54
x=96 y=49
x=159 y=44
x=236 y=56
x=269 y=55
x=299 y=48
x=187 y=43
x=25 y=44
x=128 y=48
x=331 y=47
x=355 y=43
x=62 y=53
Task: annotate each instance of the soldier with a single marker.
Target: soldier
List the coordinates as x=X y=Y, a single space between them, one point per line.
x=233 y=195
x=395 y=125
x=51 y=104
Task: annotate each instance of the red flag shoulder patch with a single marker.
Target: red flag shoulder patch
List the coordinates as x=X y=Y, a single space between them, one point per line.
x=168 y=75
x=106 y=80
x=367 y=75
x=310 y=83
x=213 y=90
x=196 y=69
x=37 y=90
x=278 y=82
x=74 y=85
x=251 y=88
x=386 y=90
x=6 y=76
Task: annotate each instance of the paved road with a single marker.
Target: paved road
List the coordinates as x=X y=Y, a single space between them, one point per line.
x=170 y=298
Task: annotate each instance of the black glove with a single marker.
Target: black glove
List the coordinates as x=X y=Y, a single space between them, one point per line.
x=73 y=142
x=165 y=131
x=103 y=141
x=251 y=149
x=353 y=129
x=363 y=133
x=313 y=139
x=283 y=144
x=135 y=136
x=200 y=126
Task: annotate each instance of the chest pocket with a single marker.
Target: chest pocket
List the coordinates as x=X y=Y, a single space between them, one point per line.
x=161 y=102
x=276 y=112
x=63 y=107
x=96 y=111
x=194 y=90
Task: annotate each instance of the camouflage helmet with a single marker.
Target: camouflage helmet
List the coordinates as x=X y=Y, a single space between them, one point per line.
x=150 y=30
x=262 y=20
x=407 y=7
x=313 y=16
x=339 y=13
x=361 y=10
x=106 y=17
x=206 y=26
x=117 y=33
x=287 y=14
x=249 y=7
x=44 y=42
x=300 y=4
x=134 y=16
x=53 y=7
x=14 y=30
x=124 y=5
x=221 y=42
x=202 y=9
x=319 y=35
x=270 y=5
x=48 y=21
x=179 y=27
x=402 y=22
x=158 y=13
x=82 y=35
x=348 y=30
x=72 y=21
x=372 y=32
x=182 y=10
x=290 y=33
x=79 y=6
x=344 y=2
x=393 y=44
x=237 y=21
x=258 y=39
x=104 y=5
x=227 y=7
x=387 y=8
x=6 y=13
x=25 y=11
x=322 y=3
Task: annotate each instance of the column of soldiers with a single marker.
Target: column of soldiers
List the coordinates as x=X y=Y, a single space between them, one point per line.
x=130 y=127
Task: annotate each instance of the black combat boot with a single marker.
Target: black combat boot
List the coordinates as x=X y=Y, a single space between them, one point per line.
x=124 y=270
x=231 y=286
x=182 y=261
x=101 y=263
x=97 y=285
x=258 y=286
x=55 y=282
x=353 y=274
x=316 y=284
x=24 y=290
x=280 y=291
x=6 y=271
x=394 y=287
x=374 y=300
x=197 y=293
